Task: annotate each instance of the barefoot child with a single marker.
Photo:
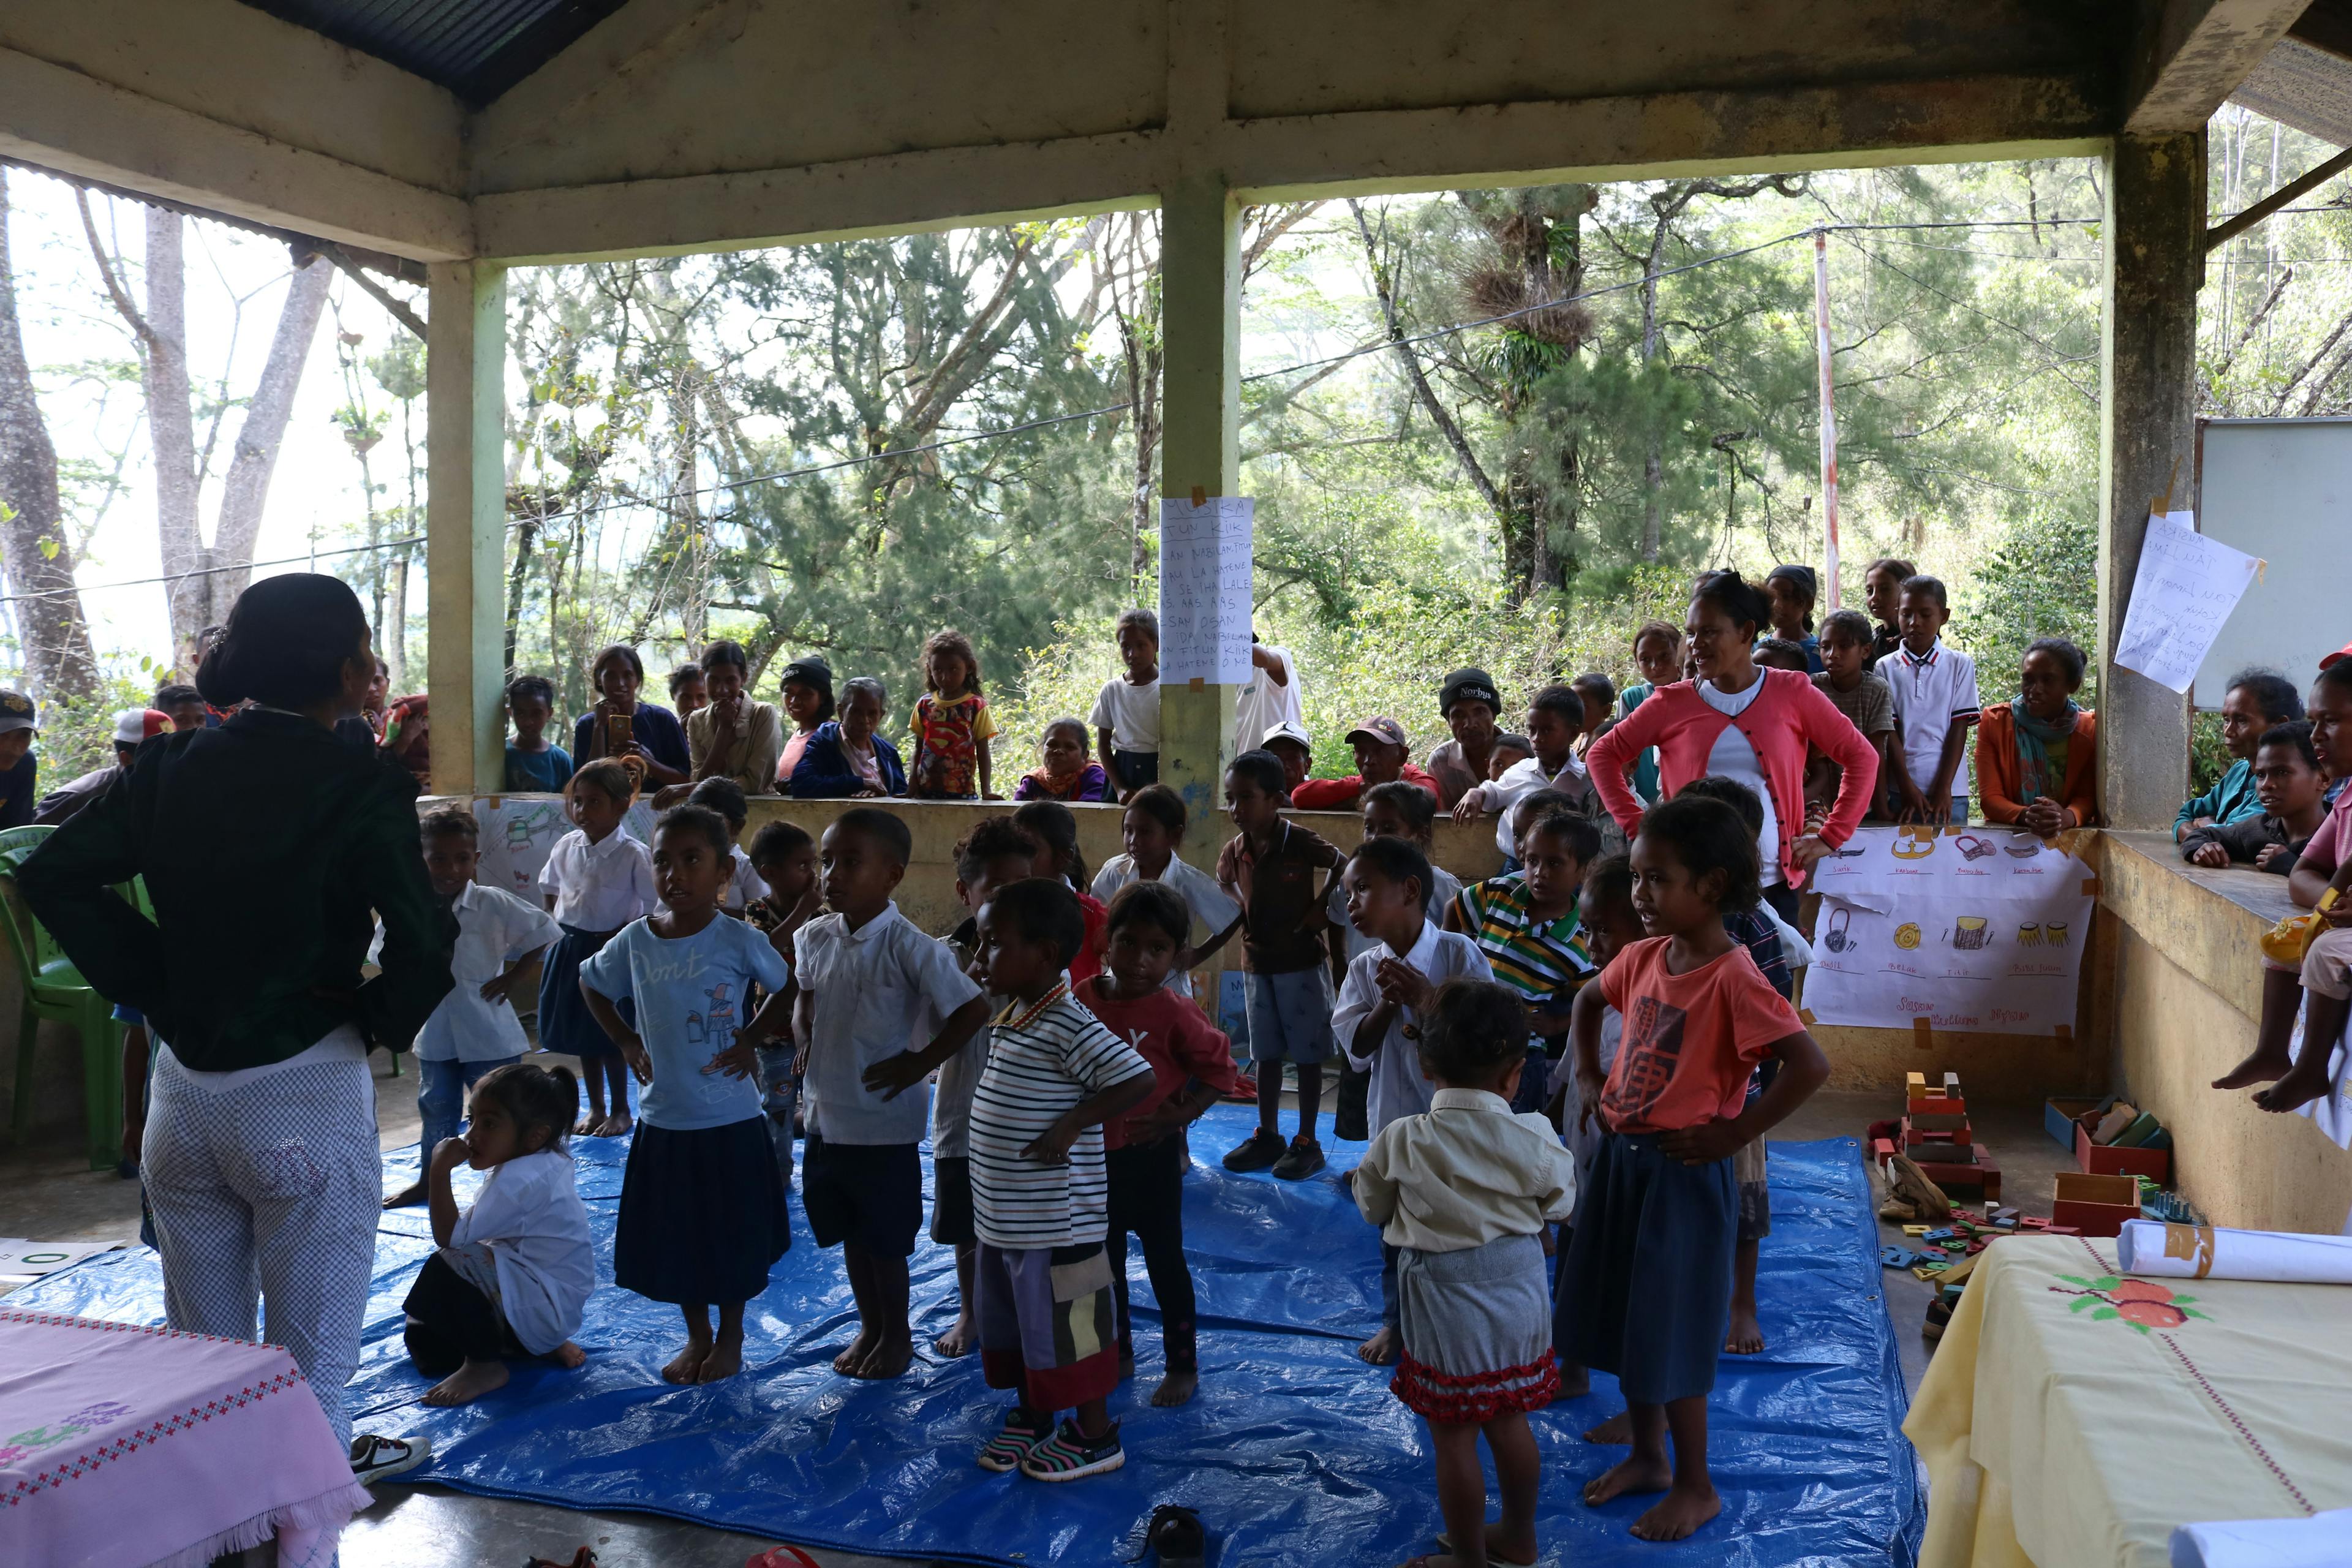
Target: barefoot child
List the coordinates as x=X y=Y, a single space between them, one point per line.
x=784 y=857
x=953 y=726
x=1127 y=714
x=597 y=880
x=1460 y=1192
x=473 y=1030
x=1383 y=999
x=1268 y=868
x=879 y=1005
x=1048 y=1317
x=1392 y=810
x=1649 y=1266
x=996 y=853
x=1152 y=826
x=702 y=1209
x=1065 y=772
x=1144 y=1154
x=515 y=1272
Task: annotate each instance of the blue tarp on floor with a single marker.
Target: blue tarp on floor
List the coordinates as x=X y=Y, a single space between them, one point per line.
x=1294 y=1452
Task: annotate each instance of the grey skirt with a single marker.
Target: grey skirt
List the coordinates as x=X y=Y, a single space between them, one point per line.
x=1477 y=1330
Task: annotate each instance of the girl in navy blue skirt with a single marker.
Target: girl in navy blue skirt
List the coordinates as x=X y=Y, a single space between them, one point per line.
x=597 y=880
x=702 y=1204
x=1650 y=1265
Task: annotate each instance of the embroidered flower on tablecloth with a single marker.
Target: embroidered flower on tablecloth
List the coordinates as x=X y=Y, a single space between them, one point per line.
x=12 y=1453
x=2141 y=1304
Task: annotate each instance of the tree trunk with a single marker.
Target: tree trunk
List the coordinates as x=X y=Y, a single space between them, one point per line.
x=1654 y=460
x=393 y=635
x=55 y=637
x=172 y=434
x=247 y=487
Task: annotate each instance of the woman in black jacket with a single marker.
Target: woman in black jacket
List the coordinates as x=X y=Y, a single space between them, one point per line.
x=269 y=849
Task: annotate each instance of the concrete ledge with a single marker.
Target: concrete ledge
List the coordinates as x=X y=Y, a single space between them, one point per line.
x=2205 y=922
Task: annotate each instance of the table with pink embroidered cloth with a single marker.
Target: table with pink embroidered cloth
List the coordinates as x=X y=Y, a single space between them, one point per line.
x=123 y=1446
x=2073 y=1416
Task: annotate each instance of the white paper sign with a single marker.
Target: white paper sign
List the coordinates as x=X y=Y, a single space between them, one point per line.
x=1978 y=929
x=31 y=1259
x=1205 y=590
x=2185 y=588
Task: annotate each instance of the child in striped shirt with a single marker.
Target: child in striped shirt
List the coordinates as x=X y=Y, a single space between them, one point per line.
x=1527 y=925
x=1048 y=1318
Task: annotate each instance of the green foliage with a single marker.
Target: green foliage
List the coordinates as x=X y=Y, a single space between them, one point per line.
x=2037 y=581
x=78 y=734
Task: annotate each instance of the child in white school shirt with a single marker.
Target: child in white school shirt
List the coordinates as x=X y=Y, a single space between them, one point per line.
x=1152 y=827
x=597 y=880
x=1386 y=992
x=879 y=1006
x=474 y=1029
x=1935 y=687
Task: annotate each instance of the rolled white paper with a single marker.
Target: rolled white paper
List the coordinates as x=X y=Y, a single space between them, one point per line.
x=2323 y=1540
x=2168 y=1251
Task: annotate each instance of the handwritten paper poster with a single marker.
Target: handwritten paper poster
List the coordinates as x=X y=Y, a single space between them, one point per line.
x=520 y=831
x=1977 y=928
x=1204 y=589
x=2185 y=586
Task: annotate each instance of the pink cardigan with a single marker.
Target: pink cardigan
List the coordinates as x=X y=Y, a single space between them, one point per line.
x=1789 y=716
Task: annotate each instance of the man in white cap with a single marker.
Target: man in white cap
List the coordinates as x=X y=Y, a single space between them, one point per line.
x=19 y=723
x=132 y=726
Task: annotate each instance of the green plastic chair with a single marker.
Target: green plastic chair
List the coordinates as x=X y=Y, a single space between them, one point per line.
x=55 y=989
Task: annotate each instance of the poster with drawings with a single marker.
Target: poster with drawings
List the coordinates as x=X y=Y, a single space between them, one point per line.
x=520 y=831
x=1974 y=928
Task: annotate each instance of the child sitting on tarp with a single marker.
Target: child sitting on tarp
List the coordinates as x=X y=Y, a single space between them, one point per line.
x=514 y=1272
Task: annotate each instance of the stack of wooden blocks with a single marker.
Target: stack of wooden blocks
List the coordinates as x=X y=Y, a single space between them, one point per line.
x=1935 y=1133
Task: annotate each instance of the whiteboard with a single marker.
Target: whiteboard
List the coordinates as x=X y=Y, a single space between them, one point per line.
x=2280 y=489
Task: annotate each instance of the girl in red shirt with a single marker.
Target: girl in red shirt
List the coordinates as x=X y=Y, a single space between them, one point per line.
x=1650 y=1264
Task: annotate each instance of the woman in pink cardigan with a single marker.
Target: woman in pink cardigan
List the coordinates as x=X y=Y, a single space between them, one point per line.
x=1738 y=721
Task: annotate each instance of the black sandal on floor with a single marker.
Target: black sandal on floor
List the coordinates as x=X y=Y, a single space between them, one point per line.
x=1174 y=1532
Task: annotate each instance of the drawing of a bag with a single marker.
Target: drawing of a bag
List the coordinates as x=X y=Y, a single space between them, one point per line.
x=1968 y=932
x=2055 y=934
x=1972 y=847
x=2029 y=934
x=1837 y=940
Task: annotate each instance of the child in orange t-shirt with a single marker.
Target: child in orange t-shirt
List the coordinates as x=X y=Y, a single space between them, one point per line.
x=1650 y=1264
x=953 y=726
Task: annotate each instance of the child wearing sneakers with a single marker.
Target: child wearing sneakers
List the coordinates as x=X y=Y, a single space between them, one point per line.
x=1268 y=868
x=879 y=1005
x=1048 y=1317
x=1383 y=1000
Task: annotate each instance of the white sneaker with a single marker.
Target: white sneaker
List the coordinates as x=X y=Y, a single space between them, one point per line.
x=376 y=1458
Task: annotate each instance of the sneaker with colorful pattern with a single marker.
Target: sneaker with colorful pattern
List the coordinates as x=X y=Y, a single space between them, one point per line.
x=1069 y=1456
x=1024 y=1432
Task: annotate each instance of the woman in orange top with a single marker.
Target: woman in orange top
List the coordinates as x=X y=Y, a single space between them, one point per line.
x=2037 y=756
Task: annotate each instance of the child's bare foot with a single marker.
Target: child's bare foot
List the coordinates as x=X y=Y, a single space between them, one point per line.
x=960 y=1340
x=587 y=1125
x=613 y=1126
x=2302 y=1083
x=2263 y=1066
x=1618 y=1428
x=891 y=1356
x=408 y=1197
x=686 y=1365
x=847 y=1362
x=1504 y=1548
x=1575 y=1382
x=1633 y=1474
x=725 y=1359
x=1676 y=1514
x=1747 y=1336
x=1380 y=1349
x=568 y=1356
x=468 y=1383
x=1176 y=1388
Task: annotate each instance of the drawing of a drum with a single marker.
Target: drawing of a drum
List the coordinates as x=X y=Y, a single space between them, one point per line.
x=2029 y=934
x=1968 y=932
x=2055 y=934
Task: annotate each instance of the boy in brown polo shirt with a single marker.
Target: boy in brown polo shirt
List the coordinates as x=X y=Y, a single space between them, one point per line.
x=1270 y=869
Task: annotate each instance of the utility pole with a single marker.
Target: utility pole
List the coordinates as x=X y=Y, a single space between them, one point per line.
x=1829 y=418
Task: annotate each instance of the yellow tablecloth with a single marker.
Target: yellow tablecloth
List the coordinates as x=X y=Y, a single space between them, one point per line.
x=2071 y=1417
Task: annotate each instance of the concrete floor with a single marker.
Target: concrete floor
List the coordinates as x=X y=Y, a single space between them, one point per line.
x=46 y=1195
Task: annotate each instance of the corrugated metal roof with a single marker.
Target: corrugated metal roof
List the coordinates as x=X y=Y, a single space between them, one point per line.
x=477 y=48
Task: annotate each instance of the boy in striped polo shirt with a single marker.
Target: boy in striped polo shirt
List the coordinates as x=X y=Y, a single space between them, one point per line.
x=1048 y=1319
x=1526 y=925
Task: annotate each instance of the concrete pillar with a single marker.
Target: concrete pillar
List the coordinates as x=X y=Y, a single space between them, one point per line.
x=2155 y=261
x=1199 y=449
x=465 y=548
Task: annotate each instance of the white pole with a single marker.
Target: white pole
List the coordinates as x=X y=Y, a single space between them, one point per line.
x=1829 y=418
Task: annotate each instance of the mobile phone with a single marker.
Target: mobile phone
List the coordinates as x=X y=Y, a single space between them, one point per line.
x=620 y=733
